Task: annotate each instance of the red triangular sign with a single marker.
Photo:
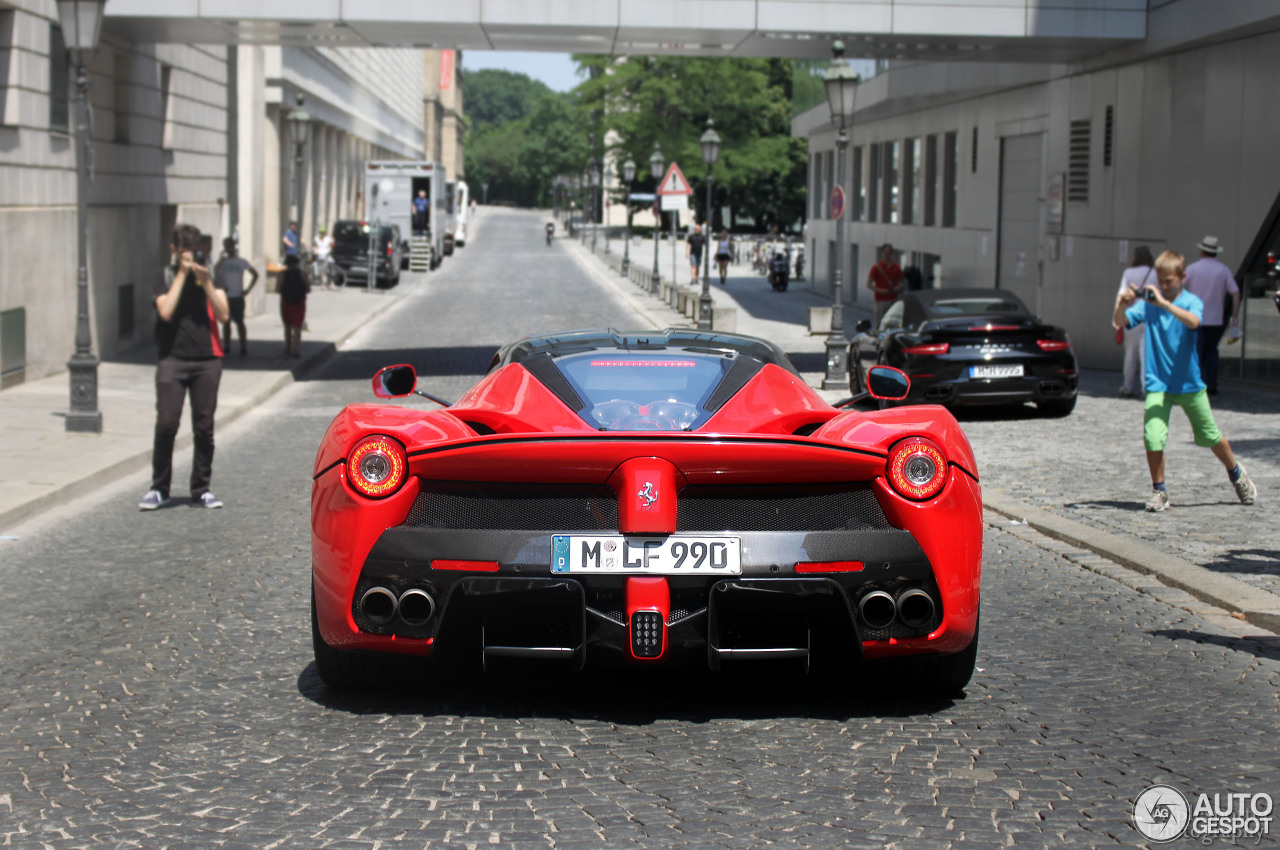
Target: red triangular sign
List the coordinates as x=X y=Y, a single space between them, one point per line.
x=674 y=183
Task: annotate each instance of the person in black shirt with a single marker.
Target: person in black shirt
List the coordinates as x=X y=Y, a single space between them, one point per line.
x=693 y=248
x=189 y=308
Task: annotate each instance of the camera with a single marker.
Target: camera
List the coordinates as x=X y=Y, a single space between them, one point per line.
x=1149 y=294
x=200 y=258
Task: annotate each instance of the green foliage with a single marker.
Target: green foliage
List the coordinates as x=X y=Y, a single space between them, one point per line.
x=522 y=134
x=807 y=89
x=666 y=99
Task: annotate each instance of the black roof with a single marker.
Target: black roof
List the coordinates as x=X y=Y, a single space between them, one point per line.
x=667 y=339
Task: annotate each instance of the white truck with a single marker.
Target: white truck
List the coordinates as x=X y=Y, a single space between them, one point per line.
x=390 y=187
x=461 y=212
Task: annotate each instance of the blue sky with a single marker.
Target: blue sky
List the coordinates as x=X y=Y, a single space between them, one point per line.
x=554 y=69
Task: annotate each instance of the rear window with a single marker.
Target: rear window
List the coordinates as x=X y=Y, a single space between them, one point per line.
x=974 y=306
x=644 y=392
x=356 y=233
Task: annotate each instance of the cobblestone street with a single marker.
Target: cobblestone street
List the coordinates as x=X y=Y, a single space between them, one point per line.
x=160 y=690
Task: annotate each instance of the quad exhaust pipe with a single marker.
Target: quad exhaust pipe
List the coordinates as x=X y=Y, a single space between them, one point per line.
x=414 y=607
x=913 y=608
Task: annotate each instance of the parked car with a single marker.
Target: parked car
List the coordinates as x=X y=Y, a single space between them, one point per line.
x=351 y=252
x=971 y=346
x=644 y=498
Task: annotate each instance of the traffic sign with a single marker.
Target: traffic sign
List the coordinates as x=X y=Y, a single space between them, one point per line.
x=837 y=202
x=675 y=202
x=674 y=183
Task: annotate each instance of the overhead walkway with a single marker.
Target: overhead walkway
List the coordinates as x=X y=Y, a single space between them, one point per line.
x=1005 y=31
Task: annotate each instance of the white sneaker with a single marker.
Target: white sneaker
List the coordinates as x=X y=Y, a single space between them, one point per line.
x=1159 y=501
x=1246 y=490
x=151 y=501
x=206 y=500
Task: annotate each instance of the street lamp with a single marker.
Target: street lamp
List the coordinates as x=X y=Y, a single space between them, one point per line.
x=299 y=128
x=628 y=174
x=594 y=177
x=842 y=91
x=710 y=142
x=81 y=21
x=609 y=177
x=656 y=166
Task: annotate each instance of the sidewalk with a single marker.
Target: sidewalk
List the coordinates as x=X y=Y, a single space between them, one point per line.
x=50 y=466
x=1216 y=551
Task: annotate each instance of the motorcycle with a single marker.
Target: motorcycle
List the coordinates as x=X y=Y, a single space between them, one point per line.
x=779 y=271
x=551 y=229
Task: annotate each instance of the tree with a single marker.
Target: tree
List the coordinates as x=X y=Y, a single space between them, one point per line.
x=761 y=169
x=495 y=97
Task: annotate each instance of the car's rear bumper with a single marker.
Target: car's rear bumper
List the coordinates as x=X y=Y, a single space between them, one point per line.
x=969 y=391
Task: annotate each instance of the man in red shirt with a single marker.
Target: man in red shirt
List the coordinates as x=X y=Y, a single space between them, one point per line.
x=885 y=280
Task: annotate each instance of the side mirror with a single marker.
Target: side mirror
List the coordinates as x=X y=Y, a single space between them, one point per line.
x=888 y=383
x=863 y=327
x=395 y=381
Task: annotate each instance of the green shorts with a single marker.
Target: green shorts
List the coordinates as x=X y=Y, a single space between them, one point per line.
x=1155 y=419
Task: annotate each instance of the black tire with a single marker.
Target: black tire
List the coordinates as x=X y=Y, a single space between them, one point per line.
x=1057 y=407
x=348 y=671
x=934 y=675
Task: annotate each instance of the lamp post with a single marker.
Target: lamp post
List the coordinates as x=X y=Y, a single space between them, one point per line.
x=609 y=176
x=656 y=166
x=299 y=128
x=710 y=142
x=628 y=174
x=841 y=83
x=81 y=21
x=594 y=177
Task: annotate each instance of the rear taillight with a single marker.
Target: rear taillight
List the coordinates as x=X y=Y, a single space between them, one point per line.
x=1054 y=344
x=933 y=348
x=388 y=249
x=377 y=466
x=916 y=468
x=990 y=327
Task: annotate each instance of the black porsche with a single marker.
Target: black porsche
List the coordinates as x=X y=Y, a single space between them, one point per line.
x=970 y=346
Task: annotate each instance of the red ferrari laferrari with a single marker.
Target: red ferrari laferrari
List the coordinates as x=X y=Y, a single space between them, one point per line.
x=674 y=497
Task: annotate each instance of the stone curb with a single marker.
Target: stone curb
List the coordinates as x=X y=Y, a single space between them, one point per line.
x=1258 y=607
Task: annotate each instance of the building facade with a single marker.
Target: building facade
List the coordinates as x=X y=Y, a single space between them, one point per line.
x=181 y=133
x=1042 y=179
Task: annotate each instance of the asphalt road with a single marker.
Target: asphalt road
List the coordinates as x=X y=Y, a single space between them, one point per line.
x=159 y=691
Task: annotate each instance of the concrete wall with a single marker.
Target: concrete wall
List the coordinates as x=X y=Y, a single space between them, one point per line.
x=1192 y=153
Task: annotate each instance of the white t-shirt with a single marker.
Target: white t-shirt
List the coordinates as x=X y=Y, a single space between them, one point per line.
x=322 y=246
x=231 y=275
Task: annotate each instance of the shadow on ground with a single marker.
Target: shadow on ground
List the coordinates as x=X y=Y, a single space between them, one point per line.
x=1262 y=646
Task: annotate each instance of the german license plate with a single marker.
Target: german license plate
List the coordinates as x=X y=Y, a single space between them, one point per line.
x=646 y=555
x=1014 y=371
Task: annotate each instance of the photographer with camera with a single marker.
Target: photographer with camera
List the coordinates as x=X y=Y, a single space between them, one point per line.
x=1172 y=316
x=189 y=307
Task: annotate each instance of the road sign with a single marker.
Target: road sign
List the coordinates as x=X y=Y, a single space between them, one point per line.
x=674 y=183
x=837 y=202
x=675 y=202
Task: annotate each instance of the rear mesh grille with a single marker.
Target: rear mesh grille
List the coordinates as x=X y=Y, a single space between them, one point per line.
x=783 y=508
x=525 y=507
x=517 y=507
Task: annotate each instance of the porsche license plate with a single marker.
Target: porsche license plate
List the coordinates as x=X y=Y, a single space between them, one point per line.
x=1014 y=371
x=646 y=555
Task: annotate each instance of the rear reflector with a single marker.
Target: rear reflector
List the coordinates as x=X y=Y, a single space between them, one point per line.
x=829 y=567
x=475 y=566
x=931 y=348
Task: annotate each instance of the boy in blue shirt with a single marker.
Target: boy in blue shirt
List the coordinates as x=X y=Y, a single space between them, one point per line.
x=1173 y=315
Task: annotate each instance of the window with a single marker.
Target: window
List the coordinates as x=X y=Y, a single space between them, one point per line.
x=973 y=152
x=891 y=161
x=1106 y=136
x=120 y=101
x=815 y=185
x=124 y=311
x=59 y=82
x=873 y=184
x=828 y=171
x=13 y=346
x=930 y=181
x=950 y=176
x=859 y=205
x=912 y=180
x=166 y=107
x=1078 y=161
